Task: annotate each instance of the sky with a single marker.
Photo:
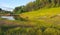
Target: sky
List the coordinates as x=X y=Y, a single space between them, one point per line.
x=11 y=4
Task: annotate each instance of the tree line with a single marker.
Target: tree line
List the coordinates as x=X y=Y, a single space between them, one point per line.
x=4 y=11
x=37 y=4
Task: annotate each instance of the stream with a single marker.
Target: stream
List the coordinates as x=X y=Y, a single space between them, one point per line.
x=8 y=17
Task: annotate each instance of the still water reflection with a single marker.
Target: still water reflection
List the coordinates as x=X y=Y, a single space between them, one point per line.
x=8 y=17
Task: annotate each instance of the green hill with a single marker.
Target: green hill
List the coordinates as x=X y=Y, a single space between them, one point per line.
x=51 y=15
x=40 y=22
x=47 y=13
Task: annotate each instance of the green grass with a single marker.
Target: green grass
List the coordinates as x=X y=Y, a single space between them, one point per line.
x=30 y=28
x=39 y=23
x=42 y=12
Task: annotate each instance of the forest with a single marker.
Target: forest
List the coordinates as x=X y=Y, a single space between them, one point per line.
x=36 y=5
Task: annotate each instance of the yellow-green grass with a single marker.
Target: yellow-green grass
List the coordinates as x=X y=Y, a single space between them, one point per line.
x=41 y=17
x=42 y=12
x=45 y=25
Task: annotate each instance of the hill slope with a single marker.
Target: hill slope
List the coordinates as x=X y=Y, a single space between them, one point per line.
x=41 y=13
x=41 y=22
x=51 y=15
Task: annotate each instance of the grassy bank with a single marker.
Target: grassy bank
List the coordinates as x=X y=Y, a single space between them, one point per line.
x=40 y=22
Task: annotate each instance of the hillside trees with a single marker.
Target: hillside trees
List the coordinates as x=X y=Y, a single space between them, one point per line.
x=38 y=4
x=18 y=10
x=4 y=11
x=35 y=5
x=58 y=2
x=30 y=6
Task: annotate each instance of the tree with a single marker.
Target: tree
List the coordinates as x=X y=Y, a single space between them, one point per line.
x=30 y=6
x=0 y=9
x=19 y=10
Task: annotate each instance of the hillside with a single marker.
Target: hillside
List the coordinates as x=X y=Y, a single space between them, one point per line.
x=42 y=13
x=40 y=22
x=51 y=15
x=40 y=17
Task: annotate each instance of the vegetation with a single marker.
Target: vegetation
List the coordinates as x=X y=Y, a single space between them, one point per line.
x=29 y=28
x=40 y=17
x=4 y=12
x=42 y=13
x=36 y=5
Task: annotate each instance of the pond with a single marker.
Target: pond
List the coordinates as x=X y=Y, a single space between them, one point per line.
x=8 y=17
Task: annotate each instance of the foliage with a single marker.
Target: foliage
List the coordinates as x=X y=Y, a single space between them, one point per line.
x=37 y=22
x=37 y=4
x=4 y=12
x=23 y=30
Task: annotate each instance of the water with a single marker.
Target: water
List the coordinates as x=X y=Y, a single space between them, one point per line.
x=8 y=17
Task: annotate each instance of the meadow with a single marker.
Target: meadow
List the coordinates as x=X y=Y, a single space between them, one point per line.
x=40 y=22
